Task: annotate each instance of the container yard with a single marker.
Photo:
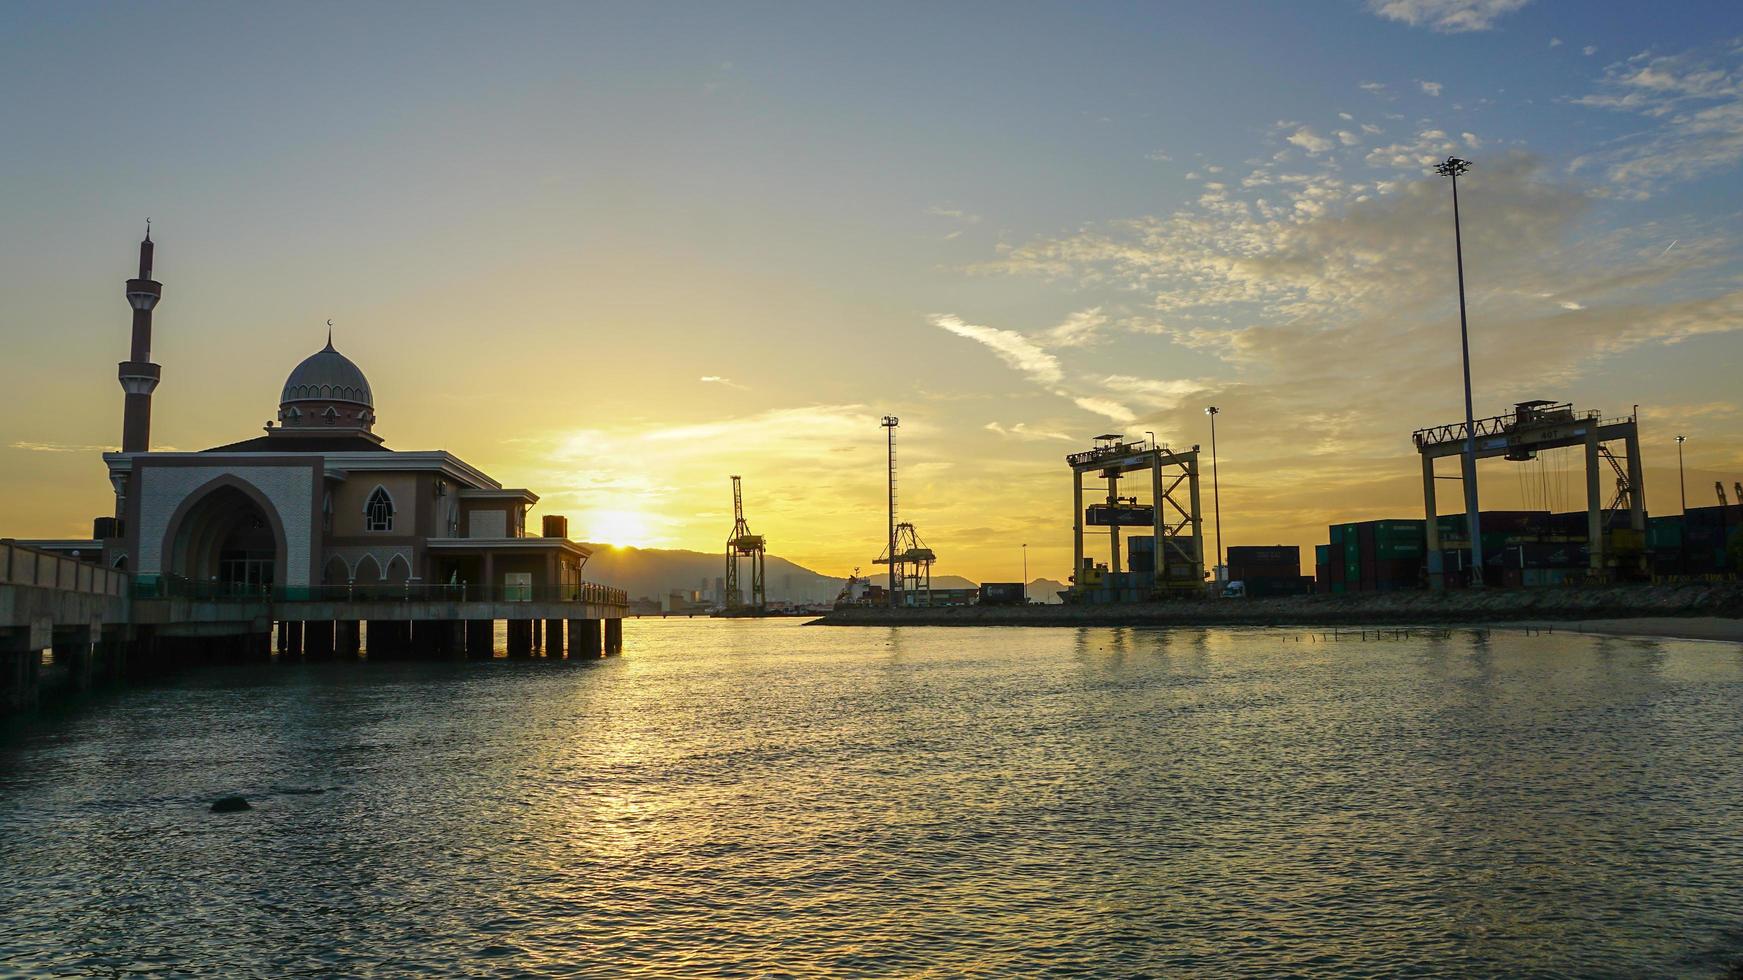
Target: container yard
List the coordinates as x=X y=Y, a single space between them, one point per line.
x=1525 y=549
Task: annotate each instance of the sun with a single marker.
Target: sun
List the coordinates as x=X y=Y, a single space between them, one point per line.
x=620 y=527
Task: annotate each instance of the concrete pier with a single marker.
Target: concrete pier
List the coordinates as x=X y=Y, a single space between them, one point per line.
x=348 y=639
x=590 y=642
x=67 y=626
x=480 y=639
x=520 y=638
x=318 y=640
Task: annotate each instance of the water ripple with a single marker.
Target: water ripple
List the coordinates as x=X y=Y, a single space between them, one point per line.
x=761 y=799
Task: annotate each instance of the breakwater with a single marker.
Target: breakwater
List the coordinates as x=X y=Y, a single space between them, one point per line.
x=1394 y=608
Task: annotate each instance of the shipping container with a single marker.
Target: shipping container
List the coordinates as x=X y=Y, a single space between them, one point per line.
x=1276 y=554
x=1125 y=515
x=1730 y=516
x=1663 y=532
x=1321 y=554
x=1001 y=593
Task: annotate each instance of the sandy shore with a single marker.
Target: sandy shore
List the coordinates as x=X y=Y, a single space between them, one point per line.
x=1715 y=628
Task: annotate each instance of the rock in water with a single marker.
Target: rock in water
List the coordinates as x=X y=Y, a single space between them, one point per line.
x=230 y=804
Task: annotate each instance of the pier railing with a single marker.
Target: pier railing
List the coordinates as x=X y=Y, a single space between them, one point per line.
x=177 y=587
x=20 y=565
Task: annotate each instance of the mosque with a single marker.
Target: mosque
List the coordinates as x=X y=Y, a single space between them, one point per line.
x=318 y=500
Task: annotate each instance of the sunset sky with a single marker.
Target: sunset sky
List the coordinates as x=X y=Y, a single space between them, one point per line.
x=617 y=252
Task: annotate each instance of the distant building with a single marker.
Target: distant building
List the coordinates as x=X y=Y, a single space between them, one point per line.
x=318 y=500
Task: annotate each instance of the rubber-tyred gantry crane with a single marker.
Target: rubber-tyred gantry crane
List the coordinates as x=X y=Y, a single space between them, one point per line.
x=742 y=544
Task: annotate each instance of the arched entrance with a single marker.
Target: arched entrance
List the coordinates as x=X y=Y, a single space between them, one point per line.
x=227 y=539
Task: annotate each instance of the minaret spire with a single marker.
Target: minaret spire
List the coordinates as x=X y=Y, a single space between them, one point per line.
x=138 y=374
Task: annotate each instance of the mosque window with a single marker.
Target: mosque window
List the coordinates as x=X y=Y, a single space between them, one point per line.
x=378 y=512
x=331 y=415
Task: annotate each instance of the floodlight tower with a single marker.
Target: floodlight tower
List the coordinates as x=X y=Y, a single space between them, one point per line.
x=889 y=423
x=1452 y=167
x=741 y=543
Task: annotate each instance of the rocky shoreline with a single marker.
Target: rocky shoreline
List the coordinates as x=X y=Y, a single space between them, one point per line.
x=1494 y=607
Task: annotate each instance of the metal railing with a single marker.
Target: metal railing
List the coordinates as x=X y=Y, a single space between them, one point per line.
x=20 y=565
x=178 y=587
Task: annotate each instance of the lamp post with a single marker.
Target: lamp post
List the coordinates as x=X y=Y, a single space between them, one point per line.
x=1453 y=167
x=1215 y=494
x=1682 y=548
x=1025 y=573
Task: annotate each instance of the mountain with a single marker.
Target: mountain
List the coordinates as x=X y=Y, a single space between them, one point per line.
x=1046 y=590
x=656 y=572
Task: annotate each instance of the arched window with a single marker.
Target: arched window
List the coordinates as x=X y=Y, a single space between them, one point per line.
x=378 y=512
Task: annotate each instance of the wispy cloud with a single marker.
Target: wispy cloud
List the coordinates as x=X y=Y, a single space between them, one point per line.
x=1015 y=349
x=715 y=379
x=1446 y=16
x=1105 y=407
x=64 y=447
x=1430 y=88
x=1023 y=432
x=1079 y=329
x=954 y=213
x=1694 y=101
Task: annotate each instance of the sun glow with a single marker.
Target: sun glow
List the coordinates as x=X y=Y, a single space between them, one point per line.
x=619 y=527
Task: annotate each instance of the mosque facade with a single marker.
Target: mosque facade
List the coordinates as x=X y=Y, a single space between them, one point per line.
x=316 y=503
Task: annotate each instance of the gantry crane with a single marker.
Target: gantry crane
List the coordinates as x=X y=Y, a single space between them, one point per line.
x=910 y=566
x=740 y=544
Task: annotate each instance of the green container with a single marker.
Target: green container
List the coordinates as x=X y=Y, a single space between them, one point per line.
x=1321 y=554
x=1664 y=532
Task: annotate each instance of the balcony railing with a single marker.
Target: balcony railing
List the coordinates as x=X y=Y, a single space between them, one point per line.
x=177 y=587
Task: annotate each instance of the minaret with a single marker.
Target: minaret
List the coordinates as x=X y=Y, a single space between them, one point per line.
x=138 y=375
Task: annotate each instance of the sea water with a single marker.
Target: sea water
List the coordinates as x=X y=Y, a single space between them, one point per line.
x=749 y=798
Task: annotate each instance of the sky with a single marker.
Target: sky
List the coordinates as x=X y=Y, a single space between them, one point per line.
x=616 y=253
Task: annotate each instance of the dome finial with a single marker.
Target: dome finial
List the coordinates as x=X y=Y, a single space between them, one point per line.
x=329 y=334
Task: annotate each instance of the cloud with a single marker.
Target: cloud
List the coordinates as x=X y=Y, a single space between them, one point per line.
x=1694 y=104
x=1430 y=88
x=1568 y=304
x=1555 y=42
x=1428 y=148
x=718 y=380
x=1310 y=141
x=1079 y=328
x=65 y=447
x=1016 y=350
x=1158 y=156
x=1446 y=16
x=1589 y=50
x=954 y=213
x=1106 y=407
x=1376 y=88
x=1022 y=431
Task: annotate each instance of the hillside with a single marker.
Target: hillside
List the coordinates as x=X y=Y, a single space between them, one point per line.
x=656 y=572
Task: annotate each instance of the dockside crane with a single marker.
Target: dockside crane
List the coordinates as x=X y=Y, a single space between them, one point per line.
x=743 y=544
x=910 y=566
